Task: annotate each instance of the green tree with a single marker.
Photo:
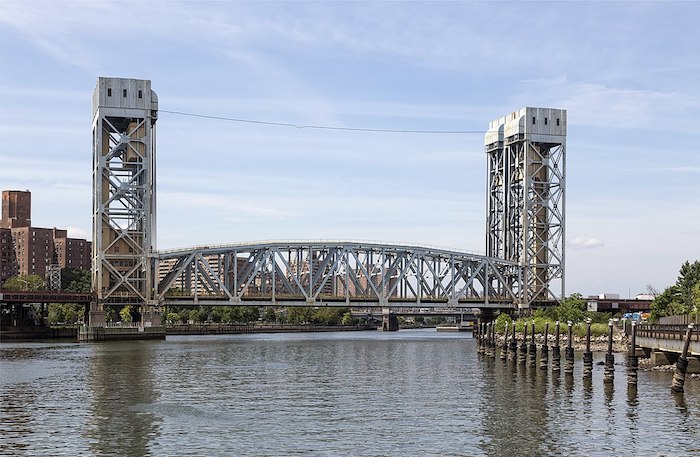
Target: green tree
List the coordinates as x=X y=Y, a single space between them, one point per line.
x=688 y=277
x=199 y=314
x=679 y=298
x=24 y=282
x=173 y=317
x=125 y=313
x=248 y=313
x=299 y=314
x=348 y=319
x=75 y=280
x=328 y=315
x=571 y=308
x=68 y=313
x=696 y=296
x=270 y=315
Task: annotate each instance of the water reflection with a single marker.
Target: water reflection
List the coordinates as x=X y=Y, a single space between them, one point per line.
x=681 y=406
x=122 y=386
x=365 y=394
x=504 y=395
x=16 y=421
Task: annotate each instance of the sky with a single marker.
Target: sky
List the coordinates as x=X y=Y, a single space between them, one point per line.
x=627 y=72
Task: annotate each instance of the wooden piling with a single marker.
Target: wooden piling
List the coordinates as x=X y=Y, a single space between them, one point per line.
x=632 y=361
x=569 y=353
x=513 y=352
x=487 y=340
x=544 y=352
x=682 y=364
x=588 y=355
x=504 y=348
x=480 y=338
x=556 y=354
x=522 y=357
x=532 y=352
x=609 y=374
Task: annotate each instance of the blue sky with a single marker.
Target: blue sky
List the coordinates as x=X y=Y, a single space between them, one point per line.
x=627 y=72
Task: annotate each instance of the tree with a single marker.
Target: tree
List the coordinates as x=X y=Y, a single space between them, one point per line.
x=270 y=315
x=299 y=314
x=199 y=314
x=24 y=282
x=68 y=313
x=75 y=280
x=696 y=297
x=348 y=319
x=689 y=275
x=173 y=317
x=125 y=313
x=248 y=313
x=571 y=308
x=679 y=298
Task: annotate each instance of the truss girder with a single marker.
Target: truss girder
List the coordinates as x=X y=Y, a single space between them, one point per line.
x=338 y=273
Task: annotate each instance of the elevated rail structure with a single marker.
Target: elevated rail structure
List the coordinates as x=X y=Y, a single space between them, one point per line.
x=524 y=248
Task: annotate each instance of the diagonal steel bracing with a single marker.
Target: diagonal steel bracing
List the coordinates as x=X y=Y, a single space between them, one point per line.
x=334 y=273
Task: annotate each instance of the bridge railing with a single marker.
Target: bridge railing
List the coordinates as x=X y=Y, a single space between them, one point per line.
x=667 y=331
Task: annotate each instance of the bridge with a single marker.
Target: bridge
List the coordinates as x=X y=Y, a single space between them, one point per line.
x=664 y=343
x=339 y=273
x=525 y=237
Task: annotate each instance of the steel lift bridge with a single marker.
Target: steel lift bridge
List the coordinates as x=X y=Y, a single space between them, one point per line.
x=523 y=265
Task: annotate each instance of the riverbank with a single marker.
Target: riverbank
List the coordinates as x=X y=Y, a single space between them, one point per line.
x=71 y=333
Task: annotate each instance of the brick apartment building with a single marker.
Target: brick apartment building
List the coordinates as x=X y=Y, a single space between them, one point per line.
x=27 y=250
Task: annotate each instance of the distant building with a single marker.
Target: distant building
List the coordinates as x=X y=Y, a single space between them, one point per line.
x=27 y=250
x=16 y=209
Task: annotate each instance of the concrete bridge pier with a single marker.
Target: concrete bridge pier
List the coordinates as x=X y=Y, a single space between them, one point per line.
x=390 y=322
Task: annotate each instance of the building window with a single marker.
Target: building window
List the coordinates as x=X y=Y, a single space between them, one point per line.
x=109 y=92
x=533 y=120
x=124 y=93
x=557 y=122
x=545 y=121
x=140 y=94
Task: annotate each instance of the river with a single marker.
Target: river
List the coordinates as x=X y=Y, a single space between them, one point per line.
x=407 y=393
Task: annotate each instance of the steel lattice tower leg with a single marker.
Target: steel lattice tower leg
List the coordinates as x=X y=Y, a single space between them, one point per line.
x=124 y=205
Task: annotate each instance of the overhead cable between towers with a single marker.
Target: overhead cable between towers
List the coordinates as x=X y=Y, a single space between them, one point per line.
x=325 y=127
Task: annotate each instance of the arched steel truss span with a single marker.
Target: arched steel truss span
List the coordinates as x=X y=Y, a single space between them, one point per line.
x=334 y=273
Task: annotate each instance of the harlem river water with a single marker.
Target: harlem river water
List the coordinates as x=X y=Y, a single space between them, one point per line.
x=410 y=393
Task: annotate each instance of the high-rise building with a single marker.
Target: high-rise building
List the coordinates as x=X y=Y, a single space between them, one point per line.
x=16 y=209
x=27 y=250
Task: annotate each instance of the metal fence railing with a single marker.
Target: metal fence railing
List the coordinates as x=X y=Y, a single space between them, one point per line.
x=667 y=331
x=683 y=319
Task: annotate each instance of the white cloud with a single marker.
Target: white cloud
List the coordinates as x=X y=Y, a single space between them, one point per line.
x=586 y=242
x=78 y=232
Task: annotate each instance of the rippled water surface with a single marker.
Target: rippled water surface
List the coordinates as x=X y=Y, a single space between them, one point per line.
x=411 y=393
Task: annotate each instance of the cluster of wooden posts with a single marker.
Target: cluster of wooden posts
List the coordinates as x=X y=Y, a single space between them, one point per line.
x=527 y=354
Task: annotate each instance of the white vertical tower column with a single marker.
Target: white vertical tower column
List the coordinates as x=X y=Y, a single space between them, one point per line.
x=525 y=199
x=124 y=201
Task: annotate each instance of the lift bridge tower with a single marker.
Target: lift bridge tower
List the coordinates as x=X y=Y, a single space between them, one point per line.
x=525 y=217
x=124 y=202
